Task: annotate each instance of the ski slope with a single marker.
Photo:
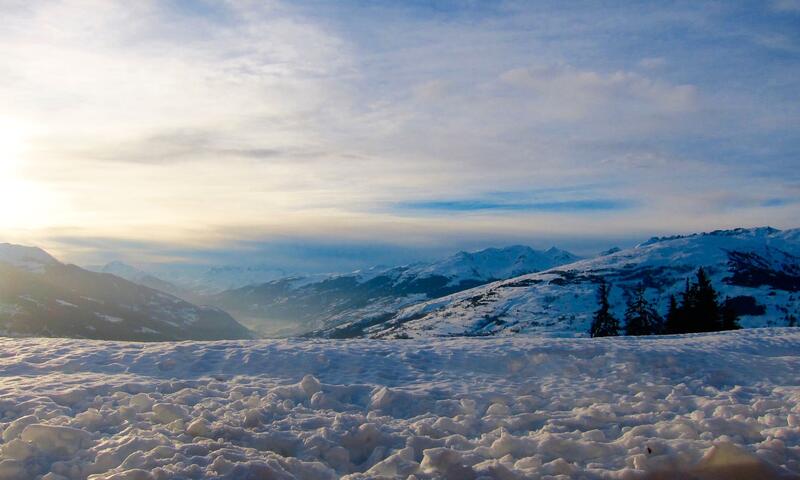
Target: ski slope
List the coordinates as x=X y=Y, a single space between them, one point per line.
x=708 y=405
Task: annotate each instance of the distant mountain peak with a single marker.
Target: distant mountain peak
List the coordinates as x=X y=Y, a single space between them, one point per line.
x=492 y=263
x=32 y=259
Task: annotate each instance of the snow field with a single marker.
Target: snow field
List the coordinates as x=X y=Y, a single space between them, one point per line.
x=701 y=406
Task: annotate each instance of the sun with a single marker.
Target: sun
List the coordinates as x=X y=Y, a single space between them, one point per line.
x=22 y=202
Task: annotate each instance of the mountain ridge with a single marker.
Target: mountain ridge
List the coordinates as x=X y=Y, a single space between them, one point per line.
x=40 y=296
x=759 y=265
x=25 y=257
x=311 y=304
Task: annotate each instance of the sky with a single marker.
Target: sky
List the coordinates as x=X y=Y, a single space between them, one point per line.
x=327 y=135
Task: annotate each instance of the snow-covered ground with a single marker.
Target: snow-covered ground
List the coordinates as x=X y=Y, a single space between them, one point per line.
x=721 y=405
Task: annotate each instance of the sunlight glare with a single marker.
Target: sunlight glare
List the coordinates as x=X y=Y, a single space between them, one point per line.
x=22 y=202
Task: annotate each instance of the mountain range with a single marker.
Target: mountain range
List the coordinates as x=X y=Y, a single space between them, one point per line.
x=192 y=281
x=318 y=304
x=40 y=296
x=496 y=291
x=756 y=271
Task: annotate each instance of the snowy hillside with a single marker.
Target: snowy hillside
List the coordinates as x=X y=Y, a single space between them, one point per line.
x=301 y=304
x=706 y=406
x=31 y=259
x=39 y=296
x=758 y=269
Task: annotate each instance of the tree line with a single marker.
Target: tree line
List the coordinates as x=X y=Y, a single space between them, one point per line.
x=699 y=310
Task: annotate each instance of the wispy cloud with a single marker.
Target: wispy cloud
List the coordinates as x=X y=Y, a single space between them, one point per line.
x=566 y=92
x=478 y=205
x=196 y=123
x=786 y=5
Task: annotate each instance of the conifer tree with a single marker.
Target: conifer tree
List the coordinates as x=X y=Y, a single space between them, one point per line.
x=700 y=309
x=640 y=317
x=683 y=319
x=791 y=315
x=604 y=324
x=687 y=298
x=729 y=319
x=705 y=313
x=674 y=321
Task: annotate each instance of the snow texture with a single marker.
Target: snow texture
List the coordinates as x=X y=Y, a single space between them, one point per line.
x=706 y=406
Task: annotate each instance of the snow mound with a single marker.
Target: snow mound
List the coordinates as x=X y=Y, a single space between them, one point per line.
x=706 y=406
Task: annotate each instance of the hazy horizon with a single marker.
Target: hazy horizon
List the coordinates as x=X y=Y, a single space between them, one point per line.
x=293 y=258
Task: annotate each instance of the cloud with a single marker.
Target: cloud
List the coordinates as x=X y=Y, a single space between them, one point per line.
x=190 y=145
x=585 y=205
x=197 y=123
x=115 y=70
x=786 y=5
x=431 y=90
x=581 y=93
x=653 y=62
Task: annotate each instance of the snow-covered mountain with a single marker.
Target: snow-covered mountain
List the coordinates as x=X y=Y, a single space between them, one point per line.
x=486 y=265
x=757 y=269
x=32 y=259
x=40 y=296
x=302 y=304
